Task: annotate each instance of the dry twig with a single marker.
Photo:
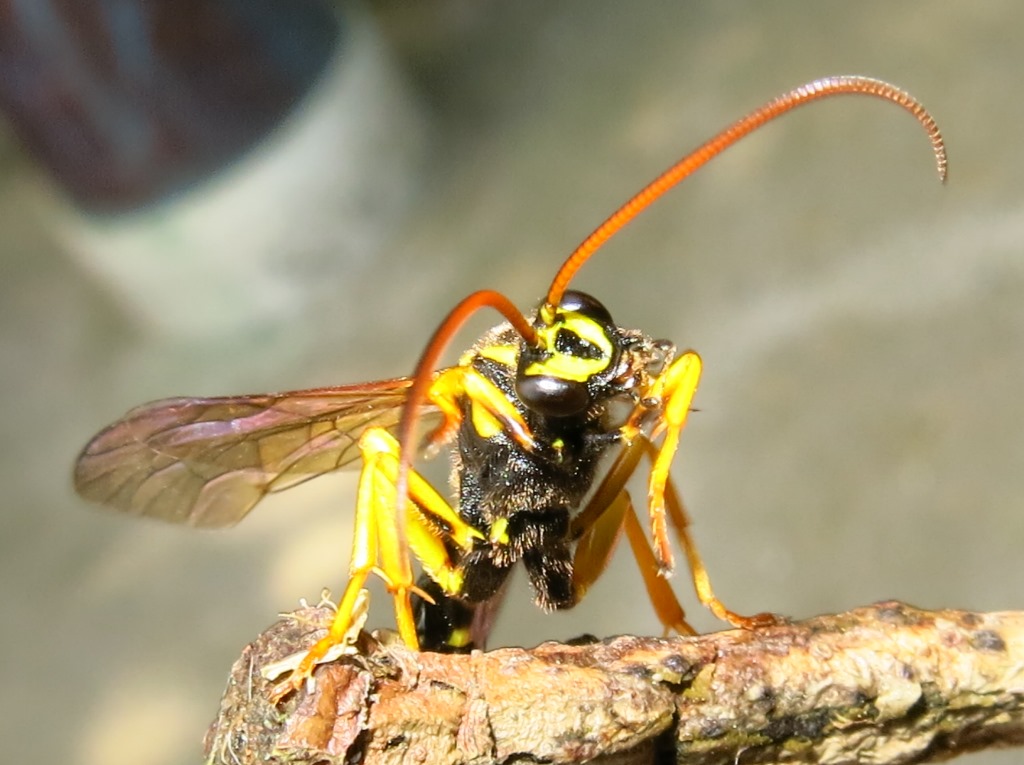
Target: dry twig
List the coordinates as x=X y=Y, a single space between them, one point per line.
x=884 y=684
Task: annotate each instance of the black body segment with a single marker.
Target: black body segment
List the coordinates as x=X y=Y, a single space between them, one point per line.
x=530 y=497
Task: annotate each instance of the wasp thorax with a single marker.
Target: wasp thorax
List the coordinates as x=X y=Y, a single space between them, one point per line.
x=576 y=346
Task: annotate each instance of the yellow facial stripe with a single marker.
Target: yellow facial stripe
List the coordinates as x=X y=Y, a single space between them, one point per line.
x=564 y=366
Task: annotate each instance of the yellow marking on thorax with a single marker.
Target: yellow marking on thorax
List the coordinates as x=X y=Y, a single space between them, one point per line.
x=506 y=355
x=499 y=532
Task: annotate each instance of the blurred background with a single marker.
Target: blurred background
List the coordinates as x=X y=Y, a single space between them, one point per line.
x=230 y=197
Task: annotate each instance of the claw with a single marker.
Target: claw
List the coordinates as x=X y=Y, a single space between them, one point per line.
x=327 y=649
x=757 y=621
x=285 y=688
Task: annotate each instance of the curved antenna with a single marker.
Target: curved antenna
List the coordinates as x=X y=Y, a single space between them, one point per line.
x=829 y=86
x=424 y=374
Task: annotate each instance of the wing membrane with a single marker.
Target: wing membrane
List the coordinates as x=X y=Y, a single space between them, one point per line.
x=207 y=461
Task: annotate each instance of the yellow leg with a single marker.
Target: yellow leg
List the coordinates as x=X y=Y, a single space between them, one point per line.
x=595 y=545
x=376 y=547
x=676 y=388
x=610 y=487
x=701 y=581
x=491 y=410
x=609 y=512
x=666 y=604
x=598 y=528
x=422 y=536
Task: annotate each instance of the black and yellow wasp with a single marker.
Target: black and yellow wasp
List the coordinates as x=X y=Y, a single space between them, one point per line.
x=547 y=417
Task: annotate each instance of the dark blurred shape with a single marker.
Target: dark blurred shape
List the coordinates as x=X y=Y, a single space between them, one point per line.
x=126 y=101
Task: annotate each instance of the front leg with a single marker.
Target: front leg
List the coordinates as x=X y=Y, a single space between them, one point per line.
x=674 y=389
x=491 y=411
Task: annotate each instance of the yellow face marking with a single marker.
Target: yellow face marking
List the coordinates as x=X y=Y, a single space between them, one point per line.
x=565 y=366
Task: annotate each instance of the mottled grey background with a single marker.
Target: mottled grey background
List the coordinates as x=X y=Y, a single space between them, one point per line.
x=861 y=428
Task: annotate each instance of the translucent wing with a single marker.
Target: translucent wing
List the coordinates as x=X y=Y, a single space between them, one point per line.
x=207 y=461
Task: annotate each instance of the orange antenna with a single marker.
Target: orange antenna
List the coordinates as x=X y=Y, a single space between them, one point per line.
x=829 y=86
x=424 y=375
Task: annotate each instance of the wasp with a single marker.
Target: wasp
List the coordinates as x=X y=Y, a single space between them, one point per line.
x=546 y=417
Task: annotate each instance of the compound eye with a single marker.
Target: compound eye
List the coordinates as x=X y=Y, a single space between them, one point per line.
x=582 y=303
x=551 y=396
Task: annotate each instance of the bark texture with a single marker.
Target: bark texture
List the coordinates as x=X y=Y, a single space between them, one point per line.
x=884 y=684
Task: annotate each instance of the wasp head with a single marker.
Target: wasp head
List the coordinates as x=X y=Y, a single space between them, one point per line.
x=579 y=353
